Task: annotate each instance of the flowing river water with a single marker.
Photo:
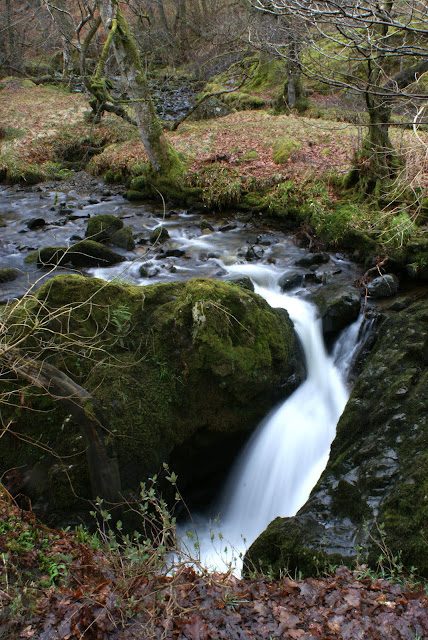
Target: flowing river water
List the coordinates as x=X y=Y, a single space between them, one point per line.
x=277 y=469
x=287 y=453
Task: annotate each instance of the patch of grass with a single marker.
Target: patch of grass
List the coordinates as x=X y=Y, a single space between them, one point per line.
x=220 y=186
x=249 y=155
x=284 y=148
x=242 y=101
x=36 y=143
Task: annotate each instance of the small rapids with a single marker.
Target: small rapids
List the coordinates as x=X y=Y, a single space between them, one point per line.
x=274 y=474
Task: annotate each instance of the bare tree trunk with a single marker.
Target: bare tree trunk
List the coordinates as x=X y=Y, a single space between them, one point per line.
x=103 y=473
x=180 y=26
x=61 y=16
x=164 y=21
x=377 y=147
x=9 y=30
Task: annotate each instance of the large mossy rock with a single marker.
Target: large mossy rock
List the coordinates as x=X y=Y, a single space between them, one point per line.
x=86 y=253
x=102 y=227
x=374 y=490
x=180 y=370
x=211 y=108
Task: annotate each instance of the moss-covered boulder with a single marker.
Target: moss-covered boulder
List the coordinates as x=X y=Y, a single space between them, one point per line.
x=211 y=108
x=339 y=306
x=373 y=494
x=124 y=239
x=101 y=228
x=159 y=234
x=181 y=371
x=8 y=274
x=86 y=253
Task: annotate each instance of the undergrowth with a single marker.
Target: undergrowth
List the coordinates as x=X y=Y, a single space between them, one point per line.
x=125 y=572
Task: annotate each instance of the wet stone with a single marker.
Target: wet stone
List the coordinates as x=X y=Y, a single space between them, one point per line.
x=204 y=225
x=143 y=271
x=254 y=253
x=383 y=287
x=8 y=275
x=36 y=223
x=312 y=259
x=174 y=253
x=312 y=277
x=160 y=234
x=78 y=216
x=291 y=280
x=264 y=240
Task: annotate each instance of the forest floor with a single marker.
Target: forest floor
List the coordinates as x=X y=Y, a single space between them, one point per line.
x=57 y=585
x=41 y=126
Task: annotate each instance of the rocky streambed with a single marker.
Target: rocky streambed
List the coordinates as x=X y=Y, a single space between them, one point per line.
x=193 y=365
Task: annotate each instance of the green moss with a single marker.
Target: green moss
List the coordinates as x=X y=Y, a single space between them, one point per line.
x=286 y=547
x=219 y=186
x=36 y=442
x=86 y=253
x=8 y=275
x=135 y=196
x=170 y=181
x=103 y=227
x=124 y=239
x=109 y=176
x=249 y=155
x=405 y=516
x=284 y=148
x=139 y=183
x=348 y=502
x=242 y=101
x=32 y=257
x=265 y=74
x=332 y=225
x=26 y=173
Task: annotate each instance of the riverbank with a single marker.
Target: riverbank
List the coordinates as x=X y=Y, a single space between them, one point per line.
x=287 y=168
x=78 y=585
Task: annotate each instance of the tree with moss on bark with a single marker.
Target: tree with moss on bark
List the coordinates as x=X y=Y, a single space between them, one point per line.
x=166 y=166
x=376 y=51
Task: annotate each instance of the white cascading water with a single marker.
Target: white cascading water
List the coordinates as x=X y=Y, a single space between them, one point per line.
x=284 y=458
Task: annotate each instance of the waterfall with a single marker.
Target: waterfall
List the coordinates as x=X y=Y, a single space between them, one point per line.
x=287 y=453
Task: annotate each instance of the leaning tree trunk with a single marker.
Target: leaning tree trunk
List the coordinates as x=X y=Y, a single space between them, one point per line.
x=103 y=472
x=134 y=78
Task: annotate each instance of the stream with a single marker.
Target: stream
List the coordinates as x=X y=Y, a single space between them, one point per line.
x=285 y=456
x=288 y=451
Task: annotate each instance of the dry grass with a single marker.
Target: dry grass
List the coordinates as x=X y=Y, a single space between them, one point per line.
x=38 y=120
